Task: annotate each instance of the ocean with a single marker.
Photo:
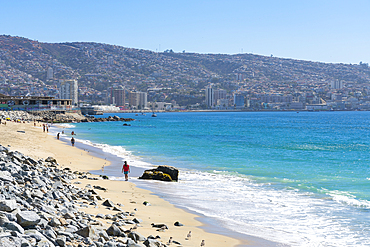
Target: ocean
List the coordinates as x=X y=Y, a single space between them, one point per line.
x=296 y=178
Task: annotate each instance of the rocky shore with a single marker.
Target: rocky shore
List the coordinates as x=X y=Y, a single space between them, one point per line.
x=56 y=117
x=41 y=206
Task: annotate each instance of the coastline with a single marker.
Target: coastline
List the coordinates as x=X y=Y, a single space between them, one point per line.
x=210 y=225
x=33 y=142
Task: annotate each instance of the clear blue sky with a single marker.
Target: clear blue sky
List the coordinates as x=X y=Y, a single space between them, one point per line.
x=317 y=30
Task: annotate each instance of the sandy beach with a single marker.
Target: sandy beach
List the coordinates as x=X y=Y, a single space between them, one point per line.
x=33 y=142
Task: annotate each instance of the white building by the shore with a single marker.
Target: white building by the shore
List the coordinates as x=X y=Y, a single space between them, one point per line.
x=68 y=89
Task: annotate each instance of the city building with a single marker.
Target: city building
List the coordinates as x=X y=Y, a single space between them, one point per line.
x=117 y=96
x=33 y=103
x=49 y=74
x=138 y=100
x=110 y=60
x=219 y=94
x=68 y=89
x=209 y=96
x=238 y=100
x=336 y=85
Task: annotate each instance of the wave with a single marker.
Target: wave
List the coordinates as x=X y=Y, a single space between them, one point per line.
x=120 y=152
x=287 y=216
x=65 y=125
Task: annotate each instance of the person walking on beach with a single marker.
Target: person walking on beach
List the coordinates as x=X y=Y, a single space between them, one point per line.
x=58 y=136
x=126 y=170
x=73 y=142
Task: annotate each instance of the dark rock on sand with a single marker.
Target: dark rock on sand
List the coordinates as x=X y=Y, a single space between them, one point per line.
x=164 y=226
x=108 y=203
x=162 y=173
x=178 y=224
x=88 y=232
x=113 y=230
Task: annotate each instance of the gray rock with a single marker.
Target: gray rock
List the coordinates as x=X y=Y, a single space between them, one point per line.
x=102 y=216
x=13 y=226
x=54 y=222
x=8 y=205
x=113 y=230
x=38 y=181
x=34 y=234
x=51 y=159
x=69 y=216
x=136 y=236
x=108 y=203
x=131 y=243
x=163 y=226
x=11 y=217
x=71 y=228
x=89 y=231
x=178 y=224
x=45 y=243
x=61 y=241
x=37 y=193
x=66 y=234
x=137 y=220
x=27 y=218
x=152 y=243
x=104 y=235
x=98 y=244
x=3 y=219
x=50 y=233
x=9 y=241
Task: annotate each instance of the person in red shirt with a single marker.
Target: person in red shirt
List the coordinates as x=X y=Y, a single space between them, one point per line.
x=126 y=170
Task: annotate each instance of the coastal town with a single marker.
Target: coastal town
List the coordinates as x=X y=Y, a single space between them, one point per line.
x=117 y=78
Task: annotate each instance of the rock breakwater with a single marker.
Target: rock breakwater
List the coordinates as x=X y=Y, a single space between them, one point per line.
x=40 y=206
x=56 y=117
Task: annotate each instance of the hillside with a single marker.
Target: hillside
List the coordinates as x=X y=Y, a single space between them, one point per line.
x=97 y=67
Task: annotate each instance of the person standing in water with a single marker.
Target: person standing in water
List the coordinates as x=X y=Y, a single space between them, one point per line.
x=126 y=170
x=73 y=142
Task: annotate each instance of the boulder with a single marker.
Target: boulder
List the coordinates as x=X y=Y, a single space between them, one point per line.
x=6 y=176
x=162 y=173
x=61 y=241
x=28 y=218
x=132 y=243
x=88 y=232
x=163 y=226
x=170 y=170
x=136 y=236
x=13 y=226
x=51 y=160
x=8 y=205
x=113 y=230
x=108 y=203
x=178 y=224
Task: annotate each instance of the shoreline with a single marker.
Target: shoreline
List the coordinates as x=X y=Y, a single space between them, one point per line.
x=210 y=225
x=31 y=141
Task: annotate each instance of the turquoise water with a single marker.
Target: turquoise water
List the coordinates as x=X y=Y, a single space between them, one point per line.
x=296 y=178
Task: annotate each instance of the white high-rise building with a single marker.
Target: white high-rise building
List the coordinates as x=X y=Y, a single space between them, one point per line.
x=68 y=89
x=137 y=99
x=143 y=100
x=49 y=73
x=219 y=94
x=336 y=85
x=209 y=96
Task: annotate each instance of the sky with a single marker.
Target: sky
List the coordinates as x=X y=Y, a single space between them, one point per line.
x=315 y=30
